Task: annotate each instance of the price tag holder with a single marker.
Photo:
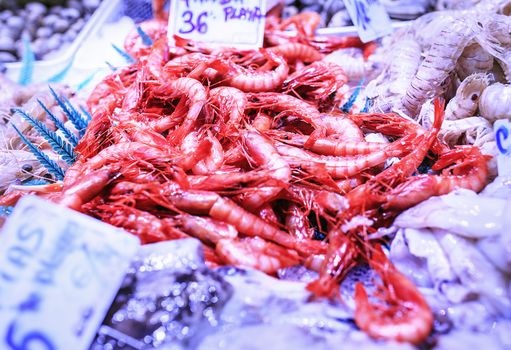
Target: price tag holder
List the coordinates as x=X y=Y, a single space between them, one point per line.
x=502 y=130
x=370 y=18
x=59 y=273
x=231 y=23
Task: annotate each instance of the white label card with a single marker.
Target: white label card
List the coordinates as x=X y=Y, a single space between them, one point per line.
x=370 y=18
x=59 y=273
x=502 y=130
x=232 y=23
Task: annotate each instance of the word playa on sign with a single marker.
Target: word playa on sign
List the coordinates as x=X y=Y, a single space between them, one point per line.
x=59 y=272
x=232 y=23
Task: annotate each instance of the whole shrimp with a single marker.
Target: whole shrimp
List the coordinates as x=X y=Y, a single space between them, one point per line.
x=342 y=167
x=439 y=62
x=250 y=80
x=327 y=146
x=256 y=253
x=287 y=105
x=406 y=315
x=264 y=154
x=466 y=168
x=195 y=94
x=229 y=104
x=317 y=81
x=297 y=52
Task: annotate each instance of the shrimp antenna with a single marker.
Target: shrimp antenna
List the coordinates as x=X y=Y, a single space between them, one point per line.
x=49 y=164
x=64 y=149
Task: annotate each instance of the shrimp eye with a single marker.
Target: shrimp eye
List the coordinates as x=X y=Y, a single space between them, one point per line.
x=27 y=167
x=474 y=97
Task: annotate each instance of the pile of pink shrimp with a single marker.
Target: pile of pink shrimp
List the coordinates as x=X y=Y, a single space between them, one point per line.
x=248 y=152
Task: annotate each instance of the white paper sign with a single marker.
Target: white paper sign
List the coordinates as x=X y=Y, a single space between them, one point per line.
x=502 y=130
x=59 y=273
x=370 y=18
x=233 y=23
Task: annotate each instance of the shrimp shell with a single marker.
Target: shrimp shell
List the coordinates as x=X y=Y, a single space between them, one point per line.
x=494 y=38
x=440 y=61
x=474 y=59
x=465 y=103
x=495 y=102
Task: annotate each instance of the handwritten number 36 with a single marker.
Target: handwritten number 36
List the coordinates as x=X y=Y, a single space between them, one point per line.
x=28 y=341
x=199 y=24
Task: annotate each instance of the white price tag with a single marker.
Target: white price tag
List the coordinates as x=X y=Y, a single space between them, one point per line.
x=370 y=18
x=502 y=130
x=233 y=23
x=59 y=273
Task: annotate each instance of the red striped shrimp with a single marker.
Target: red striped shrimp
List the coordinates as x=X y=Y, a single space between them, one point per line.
x=147 y=227
x=208 y=230
x=205 y=160
x=116 y=152
x=192 y=65
x=305 y=23
x=342 y=127
x=256 y=253
x=297 y=52
x=317 y=81
x=246 y=223
x=297 y=223
x=154 y=28
x=229 y=104
x=253 y=80
x=340 y=257
x=262 y=122
x=326 y=146
x=288 y=105
x=263 y=153
x=342 y=167
x=404 y=317
x=196 y=96
x=466 y=168
x=86 y=189
x=374 y=192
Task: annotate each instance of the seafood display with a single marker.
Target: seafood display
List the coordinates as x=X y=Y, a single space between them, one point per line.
x=355 y=182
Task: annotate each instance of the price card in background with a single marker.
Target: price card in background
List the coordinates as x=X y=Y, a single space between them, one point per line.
x=370 y=18
x=232 y=23
x=59 y=272
x=502 y=130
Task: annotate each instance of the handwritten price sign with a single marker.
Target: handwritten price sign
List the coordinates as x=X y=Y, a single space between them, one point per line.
x=233 y=23
x=502 y=129
x=59 y=272
x=370 y=18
